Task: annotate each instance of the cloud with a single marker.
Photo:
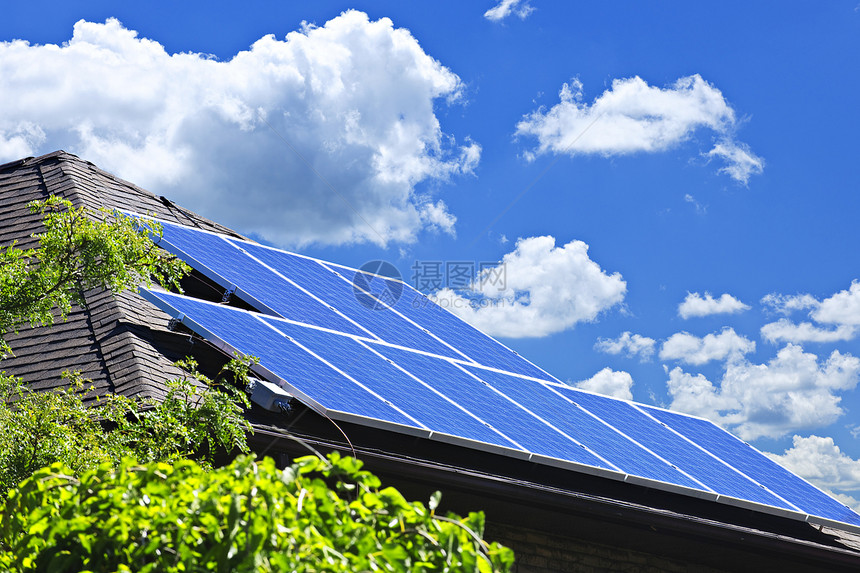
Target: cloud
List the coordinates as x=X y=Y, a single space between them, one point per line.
x=505 y=8
x=740 y=161
x=783 y=330
x=633 y=116
x=694 y=350
x=792 y=392
x=841 y=308
x=321 y=137
x=785 y=304
x=538 y=289
x=610 y=383
x=819 y=460
x=697 y=305
x=630 y=344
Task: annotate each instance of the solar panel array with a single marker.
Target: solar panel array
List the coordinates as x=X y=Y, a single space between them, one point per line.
x=339 y=342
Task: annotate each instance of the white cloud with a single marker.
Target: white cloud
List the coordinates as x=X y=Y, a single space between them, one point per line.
x=505 y=8
x=437 y=217
x=698 y=305
x=783 y=330
x=819 y=460
x=630 y=344
x=610 y=383
x=354 y=98
x=741 y=162
x=792 y=392
x=538 y=289
x=786 y=304
x=633 y=116
x=691 y=349
x=17 y=140
x=841 y=308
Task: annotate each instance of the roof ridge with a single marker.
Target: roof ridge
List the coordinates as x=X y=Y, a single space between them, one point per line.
x=35 y=160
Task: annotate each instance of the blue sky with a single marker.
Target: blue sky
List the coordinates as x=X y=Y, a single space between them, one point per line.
x=671 y=190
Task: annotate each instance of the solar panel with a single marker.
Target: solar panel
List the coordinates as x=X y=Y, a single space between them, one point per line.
x=317 y=383
x=741 y=455
x=338 y=292
x=497 y=410
x=623 y=453
x=697 y=463
x=337 y=340
x=456 y=332
x=363 y=363
x=310 y=291
x=250 y=280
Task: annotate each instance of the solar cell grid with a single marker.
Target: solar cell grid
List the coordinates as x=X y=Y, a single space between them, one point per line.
x=496 y=410
x=615 y=447
x=227 y=264
x=392 y=384
x=339 y=293
x=708 y=470
x=251 y=336
x=446 y=394
x=741 y=455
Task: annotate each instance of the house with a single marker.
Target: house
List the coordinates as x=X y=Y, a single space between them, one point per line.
x=555 y=518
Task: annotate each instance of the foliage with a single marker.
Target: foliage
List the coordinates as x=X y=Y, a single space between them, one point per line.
x=40 y=428
x=316 y=516
x=78 y=250
x=198 y=418
x=188 y=422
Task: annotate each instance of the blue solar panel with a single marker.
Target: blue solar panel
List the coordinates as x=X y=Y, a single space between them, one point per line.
x=445 y=394
x=339 y=293
x=597 y=436
x=392 y=384
x=246 y=333
x=234 y=268
x=745 y=458
x=708 y=470
x=450 y=328
x=494 y=409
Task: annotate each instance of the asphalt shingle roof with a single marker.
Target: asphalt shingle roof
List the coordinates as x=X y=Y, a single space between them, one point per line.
x=119 y=343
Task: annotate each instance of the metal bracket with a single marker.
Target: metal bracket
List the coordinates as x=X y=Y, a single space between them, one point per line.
x=225 y=298
x=174 y=322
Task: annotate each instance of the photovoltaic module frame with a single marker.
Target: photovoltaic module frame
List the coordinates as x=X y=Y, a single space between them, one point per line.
x=337 y=340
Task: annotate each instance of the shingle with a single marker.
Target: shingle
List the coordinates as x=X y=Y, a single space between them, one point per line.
x=120 y=342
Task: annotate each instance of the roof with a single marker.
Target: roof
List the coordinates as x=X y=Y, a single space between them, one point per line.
x=123 y=344
x=119 y=343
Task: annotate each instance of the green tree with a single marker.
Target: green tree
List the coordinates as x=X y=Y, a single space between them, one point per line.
x=316 y=516
x=79 y=249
